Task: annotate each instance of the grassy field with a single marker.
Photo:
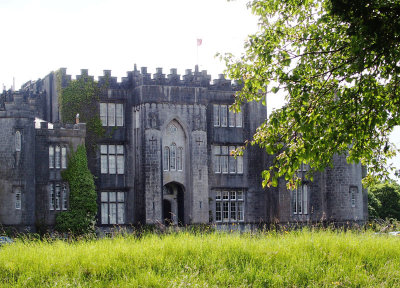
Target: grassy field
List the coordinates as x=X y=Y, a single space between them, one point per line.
x=288 y=259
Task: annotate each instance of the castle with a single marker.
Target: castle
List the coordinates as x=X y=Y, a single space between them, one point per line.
x=166 y=159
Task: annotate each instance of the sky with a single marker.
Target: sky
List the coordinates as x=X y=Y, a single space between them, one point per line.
x=40 y=36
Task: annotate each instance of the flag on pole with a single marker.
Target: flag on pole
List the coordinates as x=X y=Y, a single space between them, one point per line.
x=199 y=41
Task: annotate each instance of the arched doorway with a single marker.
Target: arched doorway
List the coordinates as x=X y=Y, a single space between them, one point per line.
x=173 y=204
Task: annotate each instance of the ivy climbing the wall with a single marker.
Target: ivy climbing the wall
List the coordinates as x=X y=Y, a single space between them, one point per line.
x=80 y=218
x=81 y=96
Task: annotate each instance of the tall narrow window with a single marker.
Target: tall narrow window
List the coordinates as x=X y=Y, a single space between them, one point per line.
x=103 y=113
x=51 y=196
x=232 y=160
x=17 y=141
x=173 y=157
x=17 y=199
x=179 y=159
x=239 y=119
x=111 y=114
x=239 y=162
x=300 y=199
x=120 y=160
x=353 y=191
x=111 y=159
x=64 y=197
x=103 y=159
x=58 y=196
x=58 y=157
x=224 y=115
x=216 y=115
x=224 y=159
x=231 y=118
x=51 y=157
x=119 y=112
x=166 y=158
x=217 y=159
x=63 y=157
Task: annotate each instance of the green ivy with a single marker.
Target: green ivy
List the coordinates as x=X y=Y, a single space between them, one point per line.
x=80 y=218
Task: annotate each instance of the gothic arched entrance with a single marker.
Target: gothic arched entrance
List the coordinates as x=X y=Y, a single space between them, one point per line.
x=173 y=204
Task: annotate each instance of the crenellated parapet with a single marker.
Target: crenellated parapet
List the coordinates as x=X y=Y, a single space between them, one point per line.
x=45 y=128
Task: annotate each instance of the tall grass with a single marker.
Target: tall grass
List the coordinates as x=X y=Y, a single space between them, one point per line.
x=292 y=259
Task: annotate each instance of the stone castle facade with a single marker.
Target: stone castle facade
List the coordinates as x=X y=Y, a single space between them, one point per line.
x=166 y=158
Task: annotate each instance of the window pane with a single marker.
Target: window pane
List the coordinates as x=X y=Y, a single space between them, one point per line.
x=111 y=149
x=17 y=141
x=120 y=164
x=239 y=162
x=120 y=114
x=216 y=115
x=120 y=149
x=231 y=118
x=299 y=200
x=224 y=115
x=179 y=159
x=225 y=211
x=232 y=160
x=104 y=164
x=58 y=157
x=113 y=196
x=58 y=196
x=111 y=114
x=233 y=211
x=51 y=157
x=240 y=211
x=294 y=201
x=121 y=213
x=166 y=158
x=224 y=164
x=233 y=195
x=173 y=157
x=218 y=212
x=225 y=195
x=113 y=213
x=63 y=157
x=305 y=199
x=17 y=199
x=51 y=196
x=64 y=197
x=104 y=196
x=217 y=159
x=121 y=197
x=103 y=113
x=239 y=195
x=218 y=195
x=239 y=119
x=103 y=149
x=111 y=164
x=104 y=213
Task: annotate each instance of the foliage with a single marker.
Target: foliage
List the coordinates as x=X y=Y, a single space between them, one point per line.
x=384 y=201
x=80 y=217
x=288 y=259
x=336 y=61
x=81 y=96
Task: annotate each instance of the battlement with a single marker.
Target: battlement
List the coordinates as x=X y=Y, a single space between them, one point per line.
x=141 y=77
x=17 y=103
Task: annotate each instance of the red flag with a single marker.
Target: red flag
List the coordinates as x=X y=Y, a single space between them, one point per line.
x=199 y=41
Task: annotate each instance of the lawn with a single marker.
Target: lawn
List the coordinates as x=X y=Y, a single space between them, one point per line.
x=287 y=259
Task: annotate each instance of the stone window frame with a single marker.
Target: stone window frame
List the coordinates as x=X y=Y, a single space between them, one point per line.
x=224 y=117
x=229 y=205
x=18 y=140
x=353 y=190
x=300 y=195
x=112 y=153
x=109 y=199
x=57 y=157
x=173 y=158
x=111 y=114
x=58 y=196
x=17 y=197
x=224 y=162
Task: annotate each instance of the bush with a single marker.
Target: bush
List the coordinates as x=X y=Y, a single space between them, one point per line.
x=384 y=201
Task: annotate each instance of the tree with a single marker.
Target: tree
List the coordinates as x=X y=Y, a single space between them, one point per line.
x=80 y=217
x=384 y=201
x=337 y=62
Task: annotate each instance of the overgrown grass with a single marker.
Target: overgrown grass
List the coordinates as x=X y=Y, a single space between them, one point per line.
x=288 y=259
